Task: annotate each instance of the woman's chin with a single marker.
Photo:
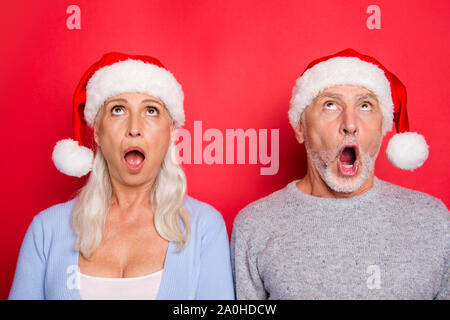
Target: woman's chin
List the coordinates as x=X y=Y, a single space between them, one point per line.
x=135 y=180
x=133 y=177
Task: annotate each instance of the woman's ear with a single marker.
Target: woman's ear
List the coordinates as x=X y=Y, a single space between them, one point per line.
x=97 y=120
x=172 y=131
x=96 y=132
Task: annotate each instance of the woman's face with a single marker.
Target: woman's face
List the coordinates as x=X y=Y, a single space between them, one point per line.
x=131 y=121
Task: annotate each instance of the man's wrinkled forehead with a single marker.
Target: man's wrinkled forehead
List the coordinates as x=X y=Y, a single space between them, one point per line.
x=328 y=93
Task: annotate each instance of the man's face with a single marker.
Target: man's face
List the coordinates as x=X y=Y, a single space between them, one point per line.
x=342 y=131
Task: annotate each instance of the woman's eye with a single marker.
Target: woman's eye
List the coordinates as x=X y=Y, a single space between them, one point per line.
x=330 y=106
x=366 y=106
x=117 y=110
x=152 y=111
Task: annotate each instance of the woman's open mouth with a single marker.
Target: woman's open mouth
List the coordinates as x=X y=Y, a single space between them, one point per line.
x=348 y=160
x=134 y=158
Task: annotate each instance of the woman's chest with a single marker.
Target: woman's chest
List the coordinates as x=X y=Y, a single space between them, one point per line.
x=126 y=252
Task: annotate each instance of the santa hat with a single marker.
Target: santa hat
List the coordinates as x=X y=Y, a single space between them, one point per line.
x=406 y=150
x=113 y=74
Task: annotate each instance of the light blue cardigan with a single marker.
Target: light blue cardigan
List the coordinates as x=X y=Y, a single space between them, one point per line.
x=47 y=263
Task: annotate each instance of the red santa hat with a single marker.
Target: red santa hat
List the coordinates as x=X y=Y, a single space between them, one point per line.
x=406 y=150
x=113 y=74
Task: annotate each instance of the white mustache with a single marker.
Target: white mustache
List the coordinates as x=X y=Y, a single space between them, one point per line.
x=347 y=140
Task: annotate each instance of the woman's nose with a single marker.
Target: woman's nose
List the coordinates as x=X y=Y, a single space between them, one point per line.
x=134 y=126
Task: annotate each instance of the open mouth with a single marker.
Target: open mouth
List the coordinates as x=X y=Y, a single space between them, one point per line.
x=348 y=160
x=134 y=158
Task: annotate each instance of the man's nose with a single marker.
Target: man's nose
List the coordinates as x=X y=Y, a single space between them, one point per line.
x=349 y=125
x=134 y=133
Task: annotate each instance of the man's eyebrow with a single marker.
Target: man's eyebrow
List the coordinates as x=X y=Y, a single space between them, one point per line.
x=125 y=101
x=330 y=95
x=366 y=96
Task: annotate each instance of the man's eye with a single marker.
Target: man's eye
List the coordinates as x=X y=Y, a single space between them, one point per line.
x=366 y=106
x=152 y=111
x=330 y=106
x=117 y=110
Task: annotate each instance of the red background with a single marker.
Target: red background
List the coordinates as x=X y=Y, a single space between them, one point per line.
x=237 y=61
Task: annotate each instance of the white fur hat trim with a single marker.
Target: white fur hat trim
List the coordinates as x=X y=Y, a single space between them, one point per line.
x=134 y=76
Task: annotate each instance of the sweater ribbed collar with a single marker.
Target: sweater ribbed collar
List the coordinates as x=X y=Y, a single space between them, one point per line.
x=294 y=192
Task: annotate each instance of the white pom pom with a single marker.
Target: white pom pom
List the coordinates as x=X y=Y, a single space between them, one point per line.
x=72 y=159
x=407 y=150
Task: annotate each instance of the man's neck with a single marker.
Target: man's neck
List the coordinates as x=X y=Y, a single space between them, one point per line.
x=313 y=184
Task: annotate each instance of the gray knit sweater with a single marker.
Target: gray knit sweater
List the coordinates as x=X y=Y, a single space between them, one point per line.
x=387 y=243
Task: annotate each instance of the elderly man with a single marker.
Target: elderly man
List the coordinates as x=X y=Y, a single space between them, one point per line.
x=340 y=232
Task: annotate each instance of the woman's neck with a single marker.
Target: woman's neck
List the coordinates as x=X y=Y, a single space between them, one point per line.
x=129 y=198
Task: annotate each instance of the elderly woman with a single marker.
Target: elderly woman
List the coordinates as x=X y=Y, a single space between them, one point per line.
x=131 y=232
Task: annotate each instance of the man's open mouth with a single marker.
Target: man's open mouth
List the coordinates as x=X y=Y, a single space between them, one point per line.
x=348 y=160
x=134 y=158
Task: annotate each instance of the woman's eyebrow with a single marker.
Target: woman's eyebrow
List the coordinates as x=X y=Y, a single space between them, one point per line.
x=151 y=100
x=117 y=100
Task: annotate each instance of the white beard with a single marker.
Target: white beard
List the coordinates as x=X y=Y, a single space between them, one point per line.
x=322 y=161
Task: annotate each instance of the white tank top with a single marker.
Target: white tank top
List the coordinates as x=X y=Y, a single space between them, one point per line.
x=136 y=288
